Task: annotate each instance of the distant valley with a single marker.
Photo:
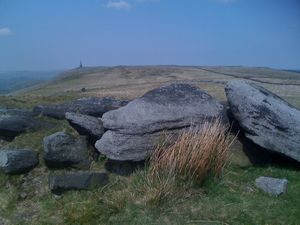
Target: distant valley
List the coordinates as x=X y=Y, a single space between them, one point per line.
x=11 y=81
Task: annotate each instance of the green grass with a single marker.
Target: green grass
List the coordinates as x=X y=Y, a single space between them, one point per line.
x=29 y=101
x=129 y=200
x=233 y=199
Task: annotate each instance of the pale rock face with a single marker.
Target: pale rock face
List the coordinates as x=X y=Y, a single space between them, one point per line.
x=135 y=129
x=266 y=119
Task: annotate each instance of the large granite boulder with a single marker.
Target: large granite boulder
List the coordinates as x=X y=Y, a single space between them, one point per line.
x=89 y=106
x=62 y=150
x=86 y=125
x=77 y=181
x=135 y=129
x=17 y=160
x=265 y=118
x=16 y=121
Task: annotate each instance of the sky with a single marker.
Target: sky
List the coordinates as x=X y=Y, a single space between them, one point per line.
x=57 y=34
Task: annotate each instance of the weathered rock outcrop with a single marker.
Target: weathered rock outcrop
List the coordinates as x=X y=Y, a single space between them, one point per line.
x=17 y=160
x=86 y=125
x=130 y=147
x=63 y=150
x=135 y=129
x=265 y=118
x=16 y=121
x=77 y=181
x=88 y=106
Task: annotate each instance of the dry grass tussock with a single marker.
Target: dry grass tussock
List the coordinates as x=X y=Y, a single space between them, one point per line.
x=196 y=154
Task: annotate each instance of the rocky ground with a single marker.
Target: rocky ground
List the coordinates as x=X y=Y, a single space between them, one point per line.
x=63 y=149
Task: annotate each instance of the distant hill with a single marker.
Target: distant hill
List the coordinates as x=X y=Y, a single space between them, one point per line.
x=296 y=71
x=132 y=81
x=15 y=80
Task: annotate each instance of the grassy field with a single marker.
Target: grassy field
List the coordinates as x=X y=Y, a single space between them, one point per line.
x=232 y=199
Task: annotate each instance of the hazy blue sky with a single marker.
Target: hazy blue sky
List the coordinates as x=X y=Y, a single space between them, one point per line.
x=56 y=34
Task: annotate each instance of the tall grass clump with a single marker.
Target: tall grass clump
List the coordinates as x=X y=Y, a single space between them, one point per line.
x=197 y=153
x=179 y=162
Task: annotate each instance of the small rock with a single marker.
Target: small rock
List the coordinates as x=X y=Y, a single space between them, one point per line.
x=63 y=150
x=77 y=181
x=23 y=195
x=271 y=185
x=86 y=125
x=57 y=196
x=18 y=161
x=248 y=189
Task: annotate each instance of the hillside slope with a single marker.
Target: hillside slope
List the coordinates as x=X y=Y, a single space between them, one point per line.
x=11 y=81
x=132 y=81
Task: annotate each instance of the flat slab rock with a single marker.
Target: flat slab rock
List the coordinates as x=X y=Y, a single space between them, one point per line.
x=77 y=181
x=89 y=106
x=265 y=118
x=135 y=129
x=18 y=160
x=271 y=185
x=86 y=125
x=62 y=150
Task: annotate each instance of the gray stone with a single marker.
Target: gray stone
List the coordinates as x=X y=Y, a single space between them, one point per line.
x=265 y=118
x=86 y=125
x=89 y=106
x=170 y=107
x=77 y=181
x=271 y=185
x=16 y=121
x=135 y=129
x=17 y=161
x=130 y=147
x=23 y=195
x=62 y=150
